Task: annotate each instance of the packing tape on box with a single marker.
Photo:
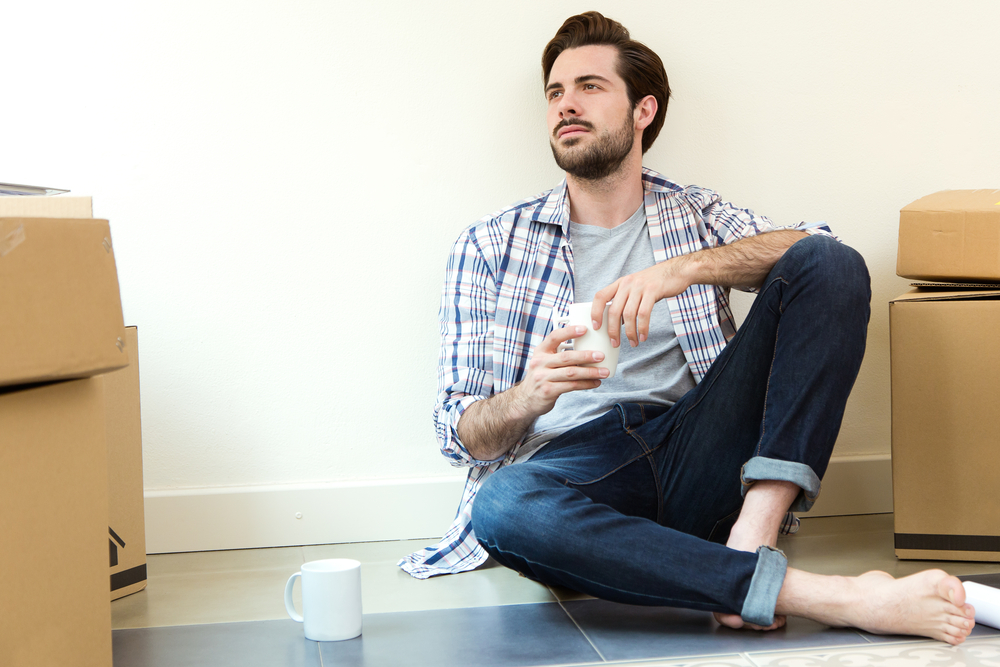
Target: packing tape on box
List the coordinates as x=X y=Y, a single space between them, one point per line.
x=986 y=601
x=11 y=240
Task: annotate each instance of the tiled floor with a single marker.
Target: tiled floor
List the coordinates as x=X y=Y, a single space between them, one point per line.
x=227 y=608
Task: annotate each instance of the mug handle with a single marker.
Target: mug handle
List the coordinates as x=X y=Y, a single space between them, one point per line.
x=289 y=602
x=565 y=345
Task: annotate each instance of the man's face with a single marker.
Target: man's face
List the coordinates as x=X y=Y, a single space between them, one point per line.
x=591 y=123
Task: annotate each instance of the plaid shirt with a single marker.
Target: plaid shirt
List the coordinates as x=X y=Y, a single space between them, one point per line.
x=506 y=277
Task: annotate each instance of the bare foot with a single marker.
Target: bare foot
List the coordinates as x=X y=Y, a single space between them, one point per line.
x=760 y=518
x=929 y=604
x=747 y=536
x=736 y=622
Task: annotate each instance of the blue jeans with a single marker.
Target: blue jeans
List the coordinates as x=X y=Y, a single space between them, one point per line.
x=635 y=506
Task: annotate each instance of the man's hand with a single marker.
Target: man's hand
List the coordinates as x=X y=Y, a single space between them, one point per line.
x=744 y=263
x=488 y=429
x=634 y=295
x=552 y=373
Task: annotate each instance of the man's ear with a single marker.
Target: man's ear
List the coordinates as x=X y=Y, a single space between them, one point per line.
x=644 y=112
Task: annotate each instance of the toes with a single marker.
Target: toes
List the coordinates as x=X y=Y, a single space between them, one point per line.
x=964 y=623
x=761 y=628
x=733 y=621
x=958 y=626
x=953 y=640
x=950 y=588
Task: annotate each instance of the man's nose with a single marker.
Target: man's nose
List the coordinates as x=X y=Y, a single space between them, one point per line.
x=568 y=106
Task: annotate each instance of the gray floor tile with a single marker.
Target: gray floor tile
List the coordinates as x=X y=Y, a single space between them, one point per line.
x=521 y=635
x=228 y=588
x=386 y=588
x=627 y=632
x=206 y=597
x=566 y=594
x=252 y=644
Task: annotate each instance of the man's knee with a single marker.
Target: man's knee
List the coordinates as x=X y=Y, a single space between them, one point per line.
x=500 y=503
x=838 y=271
x=515 y=505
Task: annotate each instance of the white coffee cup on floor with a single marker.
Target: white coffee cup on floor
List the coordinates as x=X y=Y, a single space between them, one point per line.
x=331 y=599
x=598 y=341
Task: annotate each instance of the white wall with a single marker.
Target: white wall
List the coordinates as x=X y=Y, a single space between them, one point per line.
x=285 y=178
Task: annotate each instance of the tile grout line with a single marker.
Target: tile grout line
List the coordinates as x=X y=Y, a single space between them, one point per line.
x=592 y=645
x=867 y=639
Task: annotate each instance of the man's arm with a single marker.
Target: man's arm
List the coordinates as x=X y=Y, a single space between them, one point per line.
x=489 y=428
x=744 y=263
x=471 y=428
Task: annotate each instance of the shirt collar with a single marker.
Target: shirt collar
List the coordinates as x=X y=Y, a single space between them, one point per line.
x=554 y=208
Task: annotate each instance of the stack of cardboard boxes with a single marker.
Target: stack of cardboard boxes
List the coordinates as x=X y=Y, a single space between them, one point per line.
x=946 y=378
x=70 y=438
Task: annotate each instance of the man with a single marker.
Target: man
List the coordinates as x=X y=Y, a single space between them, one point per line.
x=667 y=484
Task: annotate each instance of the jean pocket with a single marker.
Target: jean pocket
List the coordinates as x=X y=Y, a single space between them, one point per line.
x=634 y=415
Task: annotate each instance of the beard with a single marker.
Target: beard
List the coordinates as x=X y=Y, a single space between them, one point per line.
x=602 y=158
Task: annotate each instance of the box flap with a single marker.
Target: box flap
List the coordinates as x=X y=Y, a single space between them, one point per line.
x=935 y=294
x=958 y=200
x=60 y=305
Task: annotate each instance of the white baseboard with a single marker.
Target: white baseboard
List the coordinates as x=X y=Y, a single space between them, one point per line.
x=251 y=517
x=274 y=516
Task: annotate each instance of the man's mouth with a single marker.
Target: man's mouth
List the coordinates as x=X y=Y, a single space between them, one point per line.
x=570 y=129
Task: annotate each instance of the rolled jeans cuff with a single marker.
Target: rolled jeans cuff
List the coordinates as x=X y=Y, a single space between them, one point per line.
x=761 y=468
x=762 y=598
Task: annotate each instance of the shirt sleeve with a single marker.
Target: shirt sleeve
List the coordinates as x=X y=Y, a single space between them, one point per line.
x=726 y=223
x=465 y=362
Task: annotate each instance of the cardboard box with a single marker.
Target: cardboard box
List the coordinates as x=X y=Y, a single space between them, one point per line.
x=53 y=518
x=945 y=433
x=60 y=300
x=46 y=207
x=952 y=236
x=126 y=520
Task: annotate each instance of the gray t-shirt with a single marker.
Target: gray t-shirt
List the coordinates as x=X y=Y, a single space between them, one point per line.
x=655 y=371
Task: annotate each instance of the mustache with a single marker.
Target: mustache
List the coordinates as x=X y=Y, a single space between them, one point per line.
x=571 y=121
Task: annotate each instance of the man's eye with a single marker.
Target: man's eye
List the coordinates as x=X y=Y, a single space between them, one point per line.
x=554 y=94
x=589 y=86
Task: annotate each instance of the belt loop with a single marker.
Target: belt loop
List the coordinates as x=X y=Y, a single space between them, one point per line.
x=624 y=415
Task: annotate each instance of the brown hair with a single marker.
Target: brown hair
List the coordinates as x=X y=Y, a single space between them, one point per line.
x=641 y=69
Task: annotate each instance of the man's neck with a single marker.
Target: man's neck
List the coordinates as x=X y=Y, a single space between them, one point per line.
x=610 y=201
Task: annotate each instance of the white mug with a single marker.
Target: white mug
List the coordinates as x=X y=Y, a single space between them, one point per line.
x=599 y=340
x=331 y=599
